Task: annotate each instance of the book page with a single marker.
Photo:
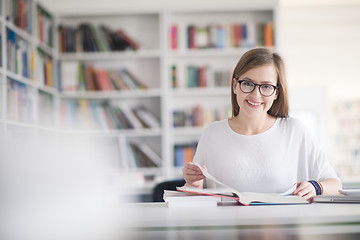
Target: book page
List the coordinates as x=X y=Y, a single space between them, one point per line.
x=210 y=177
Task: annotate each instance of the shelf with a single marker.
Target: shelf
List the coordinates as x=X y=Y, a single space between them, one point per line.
x=99 y=56
x=49 y=90
x=208 y=91
x=209 y=52
x=145 y=93
x=188 y=131
x=29 y=125
x=18 y=31
x=19 y=78
x=45 y=48
x=146 y=132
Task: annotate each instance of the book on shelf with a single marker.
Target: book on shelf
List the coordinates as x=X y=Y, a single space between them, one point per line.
x=182 y=199
x=19 y=55
x=20 y=102
x=200 y=77
x=77 y=76
x=19 y=12
x=44 y=68
x=233 y=35
x=45 y=26
x=103 y=80
x=174 y=81
x=89 y=38
x=128 y=40
x=144 y=156
x=244 y=198
x=69 y=76
x=198 y=116
x=184 y=153
x=147 y=118
x=113 y=115
x=132 y=119
x=137 y=155
x=174 y=36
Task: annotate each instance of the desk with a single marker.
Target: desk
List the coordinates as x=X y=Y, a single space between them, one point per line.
x=309 y=221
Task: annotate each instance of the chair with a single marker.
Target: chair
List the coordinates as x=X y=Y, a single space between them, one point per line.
x=158 y=191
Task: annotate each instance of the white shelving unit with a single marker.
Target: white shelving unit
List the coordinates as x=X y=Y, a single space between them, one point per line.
x=152 y=63
x=25 y=97
x=346 y=143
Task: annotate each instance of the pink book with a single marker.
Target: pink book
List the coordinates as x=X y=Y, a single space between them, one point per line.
x=173 y=37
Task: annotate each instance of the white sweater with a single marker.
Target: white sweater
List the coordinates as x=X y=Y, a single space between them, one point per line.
x=269 y=162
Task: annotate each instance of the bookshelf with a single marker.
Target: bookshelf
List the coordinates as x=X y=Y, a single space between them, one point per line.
x=27 y=99
x=60 y=85
x=346 y=141
x=134 y=73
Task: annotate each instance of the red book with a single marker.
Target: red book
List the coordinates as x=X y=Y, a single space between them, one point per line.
x=191 y=37
x=202 y=76
x=104 y=80
x=89 y=78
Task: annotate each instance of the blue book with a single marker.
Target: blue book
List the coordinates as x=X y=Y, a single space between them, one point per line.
x=179 y=156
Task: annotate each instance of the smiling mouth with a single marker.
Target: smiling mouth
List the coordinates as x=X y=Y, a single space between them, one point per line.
x=254 y=103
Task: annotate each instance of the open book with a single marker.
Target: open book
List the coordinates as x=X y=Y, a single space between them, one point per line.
x=245 y=198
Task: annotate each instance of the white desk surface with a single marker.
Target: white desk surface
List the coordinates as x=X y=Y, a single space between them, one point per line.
x=313 y=221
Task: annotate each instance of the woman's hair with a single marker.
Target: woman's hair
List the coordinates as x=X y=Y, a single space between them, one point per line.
x=255 y=58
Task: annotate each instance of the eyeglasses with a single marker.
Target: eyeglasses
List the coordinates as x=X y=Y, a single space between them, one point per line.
x=265 y=89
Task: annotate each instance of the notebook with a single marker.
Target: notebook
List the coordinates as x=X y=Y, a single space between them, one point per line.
x=346 y=196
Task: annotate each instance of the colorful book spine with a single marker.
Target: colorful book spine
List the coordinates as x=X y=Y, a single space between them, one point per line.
x=184 y=153
x=19 y=12
x=45 y=69
x=20 y=102
x=89 y=38
x=45 y=24
x=198 y=116
x=91 y=114
x=234 y=35
x=19 y=54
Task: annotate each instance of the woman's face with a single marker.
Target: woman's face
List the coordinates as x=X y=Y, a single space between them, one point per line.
x=255 y=105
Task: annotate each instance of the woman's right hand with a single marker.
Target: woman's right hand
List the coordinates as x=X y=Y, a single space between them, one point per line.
x=193 y=175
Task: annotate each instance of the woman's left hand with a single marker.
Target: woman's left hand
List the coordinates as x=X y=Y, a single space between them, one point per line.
x=305 y=190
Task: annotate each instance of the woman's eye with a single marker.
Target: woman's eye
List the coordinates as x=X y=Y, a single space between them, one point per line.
x=248 y=83
x=266 y=86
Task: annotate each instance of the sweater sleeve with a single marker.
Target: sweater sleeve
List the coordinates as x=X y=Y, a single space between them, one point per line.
x=314 y=163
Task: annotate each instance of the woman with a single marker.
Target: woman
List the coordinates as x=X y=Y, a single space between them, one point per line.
x=260 y=148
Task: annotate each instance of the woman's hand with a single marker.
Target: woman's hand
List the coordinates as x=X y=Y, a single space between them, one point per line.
x=192 y=175
x=305 y=190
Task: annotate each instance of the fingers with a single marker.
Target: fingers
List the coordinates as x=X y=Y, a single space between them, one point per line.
x=191 y=168
x=305 y=190
x=192 y=173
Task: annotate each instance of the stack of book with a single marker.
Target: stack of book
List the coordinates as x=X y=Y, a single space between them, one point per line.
x=85 y=114
x=182 y=199
x=19 y=55
x=219 y=36
x=198 y=116
x=90 y=38
x=77 y=76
